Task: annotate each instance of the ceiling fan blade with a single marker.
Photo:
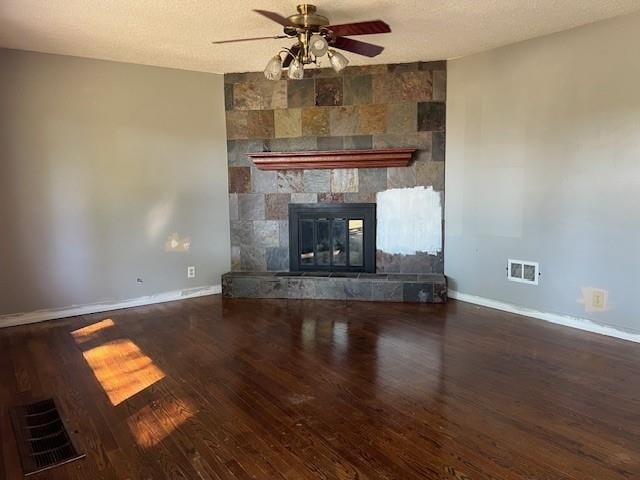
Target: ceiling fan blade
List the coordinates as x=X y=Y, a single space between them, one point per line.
x=294 y=51
x=275 y=17
x=360 y=28
x=248 y=39
x=356 y=46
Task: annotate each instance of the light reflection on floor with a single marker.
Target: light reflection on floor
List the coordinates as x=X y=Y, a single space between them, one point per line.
x=152 y=423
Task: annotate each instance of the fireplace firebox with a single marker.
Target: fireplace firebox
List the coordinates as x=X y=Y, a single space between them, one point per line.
x=332 y=237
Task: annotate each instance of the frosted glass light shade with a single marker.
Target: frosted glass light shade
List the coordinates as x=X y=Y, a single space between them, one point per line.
x=273 y=69
x=318 y=45
x=296 y=70
x=338 y=61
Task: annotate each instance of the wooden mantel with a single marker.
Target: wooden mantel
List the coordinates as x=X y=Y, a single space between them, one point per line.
x=371 y=158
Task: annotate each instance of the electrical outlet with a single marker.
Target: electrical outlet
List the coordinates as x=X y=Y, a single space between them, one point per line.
x=191 y=272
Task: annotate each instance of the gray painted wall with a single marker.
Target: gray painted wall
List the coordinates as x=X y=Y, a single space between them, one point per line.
x=543 y=164
x=100 y=162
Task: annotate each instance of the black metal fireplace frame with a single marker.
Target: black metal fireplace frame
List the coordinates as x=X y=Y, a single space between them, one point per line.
x=364 y=211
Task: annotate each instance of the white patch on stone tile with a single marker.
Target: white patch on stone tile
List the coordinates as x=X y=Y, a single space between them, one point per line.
x=409 y=220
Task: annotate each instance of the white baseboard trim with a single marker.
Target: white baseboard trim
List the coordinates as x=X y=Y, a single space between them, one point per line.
x=75 y=310
x=565 y=320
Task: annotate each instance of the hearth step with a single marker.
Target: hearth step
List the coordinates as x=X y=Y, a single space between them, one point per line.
x=414 y=288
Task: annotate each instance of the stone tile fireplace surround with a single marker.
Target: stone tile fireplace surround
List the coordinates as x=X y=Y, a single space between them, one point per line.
x=380 y=106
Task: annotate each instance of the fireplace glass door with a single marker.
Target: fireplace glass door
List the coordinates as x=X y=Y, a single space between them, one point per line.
x=332 y=237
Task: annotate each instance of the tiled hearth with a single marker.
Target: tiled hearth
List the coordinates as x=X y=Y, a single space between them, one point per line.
x=428 y=288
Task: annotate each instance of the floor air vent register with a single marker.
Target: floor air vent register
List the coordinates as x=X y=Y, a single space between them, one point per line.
x=43 y=438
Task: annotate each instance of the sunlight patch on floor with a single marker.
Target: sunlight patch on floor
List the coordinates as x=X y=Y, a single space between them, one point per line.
x=122 y=369
x=90 y=332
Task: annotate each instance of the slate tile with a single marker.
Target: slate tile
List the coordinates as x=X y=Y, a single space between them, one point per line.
x=288 y=123
x=235 y=257
x=237 y=151
x=252 y=259
x=438 y=146
x=372 y=180
x=329 y=144
x=360 y=197
x=266 y=233
x=247 y=96
x=301 y=93
x=357 y=90
x=372 y=119
x=343 y=120
x=264 y=181
x=404 y=277
x=290 y=181
x=402 y=117
x=358 y=142
x=418 y=292
x=364 y=70
x=228 y=96
x=277 y=259
x=387 y=292
x=273 y=287
x=395 y=140
x=304 y=198
x=431 y=66
x=414 y=86
x=330 y=289
x=382 y=89
x=401 y=177
x=283 y=230
x=233 y=206
x=431 y=116
x=301 y=287
x=440 y=85
x=241 y=232
x=277 y=206
x=251 y=206
x=330 y=197
x=356 y=289
x=260 y=124
x=239 y=179
x=246 y=287
x=402 y=67
x=329 y=91
x=237 y=121
x=315 y=181
x=273 y=93
x=315 y=121
x=344 y=180
x=430 y=174
x=297 y=144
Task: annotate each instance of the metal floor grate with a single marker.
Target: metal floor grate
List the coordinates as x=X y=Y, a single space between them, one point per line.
x=43 y=439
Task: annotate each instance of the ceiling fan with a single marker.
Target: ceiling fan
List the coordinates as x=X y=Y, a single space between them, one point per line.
x=315 y=37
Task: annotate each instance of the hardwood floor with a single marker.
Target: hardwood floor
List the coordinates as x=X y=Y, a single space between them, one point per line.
x=270 y=389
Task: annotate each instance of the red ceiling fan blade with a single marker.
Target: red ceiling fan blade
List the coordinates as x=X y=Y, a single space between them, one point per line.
x=360 y=28
x=275 y=17
x=248 y=39
x=356 y=46
x=294 y=51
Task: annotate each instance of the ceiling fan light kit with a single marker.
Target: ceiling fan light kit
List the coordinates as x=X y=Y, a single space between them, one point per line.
x=315 y=38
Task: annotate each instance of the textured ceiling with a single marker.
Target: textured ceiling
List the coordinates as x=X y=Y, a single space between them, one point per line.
x=177 y=33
